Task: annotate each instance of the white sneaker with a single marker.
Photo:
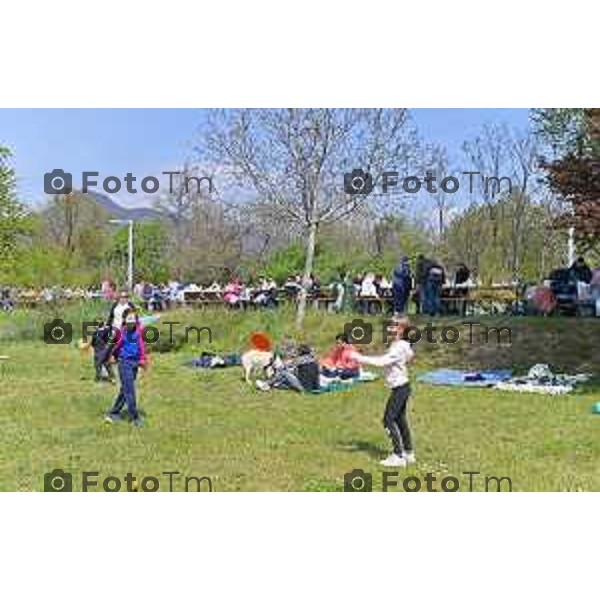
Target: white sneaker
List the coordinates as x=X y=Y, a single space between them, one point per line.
x=393 y=460
x=409 y=457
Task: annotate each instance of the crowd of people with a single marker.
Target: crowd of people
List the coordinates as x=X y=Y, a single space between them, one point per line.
x=347 y=292
x=369 y=292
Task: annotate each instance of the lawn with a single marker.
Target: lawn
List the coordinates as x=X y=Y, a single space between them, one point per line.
x=210 y=423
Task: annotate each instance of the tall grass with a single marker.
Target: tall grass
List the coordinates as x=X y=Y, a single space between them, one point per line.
x=28 y=324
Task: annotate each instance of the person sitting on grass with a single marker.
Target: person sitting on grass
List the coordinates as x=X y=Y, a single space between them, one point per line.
x=101 y=344
x=297 y=371
x=339 y=362
x=395 y=364
x=130 y=352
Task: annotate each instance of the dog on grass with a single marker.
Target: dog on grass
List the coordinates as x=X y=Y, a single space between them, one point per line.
x=255 y=361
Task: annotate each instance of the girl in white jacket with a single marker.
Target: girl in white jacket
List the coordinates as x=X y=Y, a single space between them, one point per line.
x=395 y=368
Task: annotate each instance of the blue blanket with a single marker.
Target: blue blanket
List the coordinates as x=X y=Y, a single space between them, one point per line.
x=458 y=377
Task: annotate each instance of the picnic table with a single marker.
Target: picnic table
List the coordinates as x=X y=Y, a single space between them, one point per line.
x=463 y=300
x=374 y=304
x=201 y=298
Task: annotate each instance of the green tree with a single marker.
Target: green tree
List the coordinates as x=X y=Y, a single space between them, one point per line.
x=573 y=135
x=13 y=221
x=485 y=239
x=149 y=252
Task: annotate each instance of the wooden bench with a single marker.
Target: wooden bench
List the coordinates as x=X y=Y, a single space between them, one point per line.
x=381 y=304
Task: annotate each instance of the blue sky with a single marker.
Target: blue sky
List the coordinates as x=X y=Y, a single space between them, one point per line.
x=148 y=141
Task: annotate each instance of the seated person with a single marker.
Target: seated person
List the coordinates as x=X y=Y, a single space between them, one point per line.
x=294 y=368
x=266 y=298
x=368 y=289
x=245 y=295
x=156 y=300
x=305 y=367
x=214 y=288
x=338 y=362
x=232 y=292
x=293 y=285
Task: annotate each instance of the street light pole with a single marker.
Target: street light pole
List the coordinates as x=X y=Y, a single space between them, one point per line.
x=571 y=246
x=130 y=257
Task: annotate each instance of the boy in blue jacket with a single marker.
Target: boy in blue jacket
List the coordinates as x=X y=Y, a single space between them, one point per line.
x=130 y=352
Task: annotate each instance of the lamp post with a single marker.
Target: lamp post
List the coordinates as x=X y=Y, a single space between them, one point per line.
x=571 y=246
x=129 y=250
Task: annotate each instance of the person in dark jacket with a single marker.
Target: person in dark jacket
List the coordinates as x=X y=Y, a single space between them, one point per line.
x=434 y=280
x=580 y=271
x=401 y=285
x=462 y=274
x=102 y=351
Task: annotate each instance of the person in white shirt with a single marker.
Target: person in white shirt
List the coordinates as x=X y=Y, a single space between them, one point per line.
x=115 y=317
x=395 y=368
x=368 y=289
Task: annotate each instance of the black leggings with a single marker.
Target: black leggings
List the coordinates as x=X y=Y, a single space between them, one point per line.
x=395 y=422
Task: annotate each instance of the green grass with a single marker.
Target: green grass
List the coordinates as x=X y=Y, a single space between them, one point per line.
x=210 y=423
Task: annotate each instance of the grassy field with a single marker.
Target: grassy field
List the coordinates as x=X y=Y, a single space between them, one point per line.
x=210 y=423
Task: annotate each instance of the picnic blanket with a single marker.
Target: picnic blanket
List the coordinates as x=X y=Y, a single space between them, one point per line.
x=541 y=380
x=464 y=378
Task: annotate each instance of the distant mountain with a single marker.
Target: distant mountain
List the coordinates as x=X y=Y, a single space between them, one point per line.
x=118 y=211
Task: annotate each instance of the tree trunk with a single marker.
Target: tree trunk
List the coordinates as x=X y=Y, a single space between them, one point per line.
x=308 y=269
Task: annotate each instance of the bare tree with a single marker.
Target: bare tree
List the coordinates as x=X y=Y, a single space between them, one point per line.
x=294 y=161
x=438 y=167
x=69 y=219
x=205 y=237
x=500 y=155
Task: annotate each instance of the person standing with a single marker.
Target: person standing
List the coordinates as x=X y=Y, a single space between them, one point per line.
x=401 y=285
x=462 y=274
x=581 y=271
x=117 y=310
x=131 y=355
x=348 y=297
x=434 y=280
x=395 y=365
